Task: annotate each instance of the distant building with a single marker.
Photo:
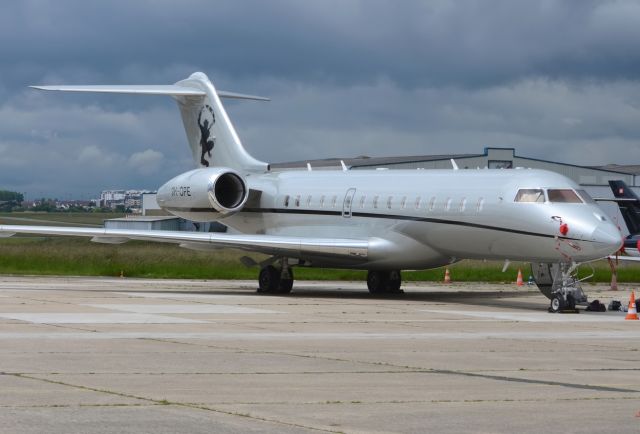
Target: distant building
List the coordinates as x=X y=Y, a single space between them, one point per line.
x=112 y=198
x=162 y=223
x=492 y=158
x=131 y=199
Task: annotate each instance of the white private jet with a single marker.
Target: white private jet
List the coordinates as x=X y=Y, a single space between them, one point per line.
x=383 y=221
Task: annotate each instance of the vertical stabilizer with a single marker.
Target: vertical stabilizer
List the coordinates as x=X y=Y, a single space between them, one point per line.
x=629 y=205
x=212 y=138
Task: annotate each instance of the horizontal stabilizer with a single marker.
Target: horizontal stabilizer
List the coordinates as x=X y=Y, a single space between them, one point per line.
x=145 y=89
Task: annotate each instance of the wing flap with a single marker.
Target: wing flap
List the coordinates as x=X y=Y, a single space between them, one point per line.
x=269 y=244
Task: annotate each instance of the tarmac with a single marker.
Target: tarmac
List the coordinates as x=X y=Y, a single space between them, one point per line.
x=99 y=355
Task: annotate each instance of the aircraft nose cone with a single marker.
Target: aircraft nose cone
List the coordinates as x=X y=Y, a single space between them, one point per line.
x=608 y=238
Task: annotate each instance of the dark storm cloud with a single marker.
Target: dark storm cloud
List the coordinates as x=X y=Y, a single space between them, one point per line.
x=412 y=43
x=554 y=79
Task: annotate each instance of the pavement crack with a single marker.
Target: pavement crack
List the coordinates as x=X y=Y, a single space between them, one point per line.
x=171 y=403
x=531 y=381
x=419 y=369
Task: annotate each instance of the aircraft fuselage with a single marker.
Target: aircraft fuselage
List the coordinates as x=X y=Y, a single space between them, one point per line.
x=418 y=219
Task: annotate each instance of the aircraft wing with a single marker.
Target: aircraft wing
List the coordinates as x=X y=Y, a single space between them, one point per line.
x=268 y=244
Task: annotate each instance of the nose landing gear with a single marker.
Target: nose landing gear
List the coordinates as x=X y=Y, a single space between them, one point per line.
x=560 y=285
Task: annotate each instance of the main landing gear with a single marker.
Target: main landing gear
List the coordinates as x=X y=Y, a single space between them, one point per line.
x=276 y=280
x=384 y=282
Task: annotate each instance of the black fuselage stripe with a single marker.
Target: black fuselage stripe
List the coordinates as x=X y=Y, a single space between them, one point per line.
x=379 y=216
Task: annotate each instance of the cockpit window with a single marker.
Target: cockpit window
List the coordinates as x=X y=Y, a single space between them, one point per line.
x=530 y=195
x=563 y=196
x=585 y=196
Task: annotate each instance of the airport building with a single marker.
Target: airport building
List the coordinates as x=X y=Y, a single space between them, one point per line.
x=492 y=158
x=128 y=198
x=594 y=178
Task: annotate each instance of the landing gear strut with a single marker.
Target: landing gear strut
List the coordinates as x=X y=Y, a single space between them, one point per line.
x=559 y=284
x=276 y=280
x=384 y=282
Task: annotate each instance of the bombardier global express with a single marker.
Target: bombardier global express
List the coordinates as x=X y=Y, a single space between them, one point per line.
x=383 y=221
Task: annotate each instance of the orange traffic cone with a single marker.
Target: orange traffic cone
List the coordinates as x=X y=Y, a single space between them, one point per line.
x=519 y=281
x=447 y=276
x=632 y=313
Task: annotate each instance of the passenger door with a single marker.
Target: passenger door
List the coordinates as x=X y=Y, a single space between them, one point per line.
x=348 y=203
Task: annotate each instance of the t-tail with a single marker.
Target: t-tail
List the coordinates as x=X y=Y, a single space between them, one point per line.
x=212 y=138
x=629 y=205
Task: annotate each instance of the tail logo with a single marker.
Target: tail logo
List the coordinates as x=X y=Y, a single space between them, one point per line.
x=207 y=140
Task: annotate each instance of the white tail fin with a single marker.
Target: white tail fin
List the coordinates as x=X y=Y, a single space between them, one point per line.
x=212 y=138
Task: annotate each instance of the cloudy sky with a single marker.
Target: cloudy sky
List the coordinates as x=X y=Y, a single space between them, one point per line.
x=555 y=79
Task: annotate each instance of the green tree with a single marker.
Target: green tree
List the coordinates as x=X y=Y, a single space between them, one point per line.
x=10 y=200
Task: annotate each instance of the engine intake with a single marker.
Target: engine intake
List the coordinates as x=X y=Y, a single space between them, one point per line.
x=227 y=191
x=204 y=194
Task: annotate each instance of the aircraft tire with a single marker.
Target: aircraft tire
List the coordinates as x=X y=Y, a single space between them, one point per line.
x=557 y=304
x=394 y=281
x=269 y=280
x=286 y=285
x=377 y=281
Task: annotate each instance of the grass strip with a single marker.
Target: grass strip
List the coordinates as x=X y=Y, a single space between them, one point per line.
x=80 y=257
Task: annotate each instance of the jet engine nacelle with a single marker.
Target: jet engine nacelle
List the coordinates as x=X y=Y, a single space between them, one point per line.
x=204 y=194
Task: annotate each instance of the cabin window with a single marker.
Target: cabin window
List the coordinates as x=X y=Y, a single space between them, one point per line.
x=463 y=204
x=286 y=201
x=530 y=195
x=403 y=202
x=479 y=205
x=362 y=199
x=333 y=201
x=417 y=204
x=322 y=201
x=447 y=204
x=585 y=196
x=432 y=203
x=297 y=202
x=308 y=200
x=564 y=195
x=375 y=201
x=389 y=201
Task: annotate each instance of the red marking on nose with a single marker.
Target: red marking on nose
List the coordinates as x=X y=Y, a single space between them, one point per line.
x=564 y=229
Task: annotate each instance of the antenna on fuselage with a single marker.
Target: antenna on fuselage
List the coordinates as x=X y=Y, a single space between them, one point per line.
x=344 y=166
x=309 y=167
x=453 y=163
